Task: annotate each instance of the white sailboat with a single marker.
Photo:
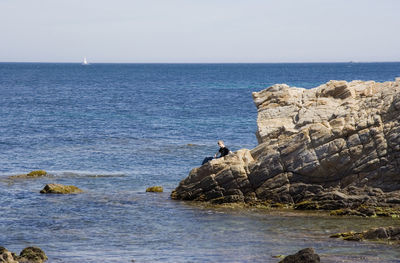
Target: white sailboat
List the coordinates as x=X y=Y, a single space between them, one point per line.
x=85 y=62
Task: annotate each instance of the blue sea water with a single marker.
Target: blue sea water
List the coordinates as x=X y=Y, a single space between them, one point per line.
x=115 y=129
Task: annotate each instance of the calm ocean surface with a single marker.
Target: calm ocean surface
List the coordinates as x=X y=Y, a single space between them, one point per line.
x=115 y=129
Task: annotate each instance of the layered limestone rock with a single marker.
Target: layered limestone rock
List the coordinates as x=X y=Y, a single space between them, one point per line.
x=220 y=180
x=334 y=146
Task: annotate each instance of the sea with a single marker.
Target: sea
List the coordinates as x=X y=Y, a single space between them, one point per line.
x=115 y=129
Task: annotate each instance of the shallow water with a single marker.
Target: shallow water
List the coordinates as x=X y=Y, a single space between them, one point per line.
x=114 y=130
x=114 y=222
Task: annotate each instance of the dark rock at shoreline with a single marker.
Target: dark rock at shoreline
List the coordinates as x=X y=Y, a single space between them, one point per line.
x=27 y=255
x=306 y=255
x=60 y=189
x=334 y=147
x=380 y=233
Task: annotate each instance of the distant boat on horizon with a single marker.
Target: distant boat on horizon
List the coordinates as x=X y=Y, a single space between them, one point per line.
x=85 y=62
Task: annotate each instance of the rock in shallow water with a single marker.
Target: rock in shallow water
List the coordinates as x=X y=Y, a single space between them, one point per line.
x=306 y=255
x=155 y=189
x=60 y=189
x=33 y=174
x=332 y=147
x=28 y=255
x=380 y=233
x=32 y=255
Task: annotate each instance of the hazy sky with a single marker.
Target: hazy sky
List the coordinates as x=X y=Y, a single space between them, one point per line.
x=199 y=30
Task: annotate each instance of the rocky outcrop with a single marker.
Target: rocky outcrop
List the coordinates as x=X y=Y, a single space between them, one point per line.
x=28 y=255
x=377 y=234
x=220 y=180
x=60 y=189
x=306 y=255
x=331 y=147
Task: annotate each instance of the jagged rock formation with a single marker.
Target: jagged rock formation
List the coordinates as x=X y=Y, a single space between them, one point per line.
x=330 y=147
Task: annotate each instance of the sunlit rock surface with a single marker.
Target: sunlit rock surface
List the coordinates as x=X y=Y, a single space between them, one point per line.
x=334 y=146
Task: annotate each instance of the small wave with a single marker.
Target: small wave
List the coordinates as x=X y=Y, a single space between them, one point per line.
x=67 y=174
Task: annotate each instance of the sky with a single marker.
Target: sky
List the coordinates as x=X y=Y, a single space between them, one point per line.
x=199 y=31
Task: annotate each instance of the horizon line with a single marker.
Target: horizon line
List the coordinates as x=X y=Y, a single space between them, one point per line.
x=293 y=62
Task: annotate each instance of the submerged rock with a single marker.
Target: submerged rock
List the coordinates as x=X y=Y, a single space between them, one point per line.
x=33 y=174
x=60 y=189
x=333 y=147
x=306 y=255
x=377 y=234
x=28 y=255
x=37 y=173
x=156 y=189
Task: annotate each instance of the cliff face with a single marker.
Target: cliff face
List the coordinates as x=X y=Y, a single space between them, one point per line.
x=333 y=146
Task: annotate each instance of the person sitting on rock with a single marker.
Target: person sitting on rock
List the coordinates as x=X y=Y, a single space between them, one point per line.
x=223 y=150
